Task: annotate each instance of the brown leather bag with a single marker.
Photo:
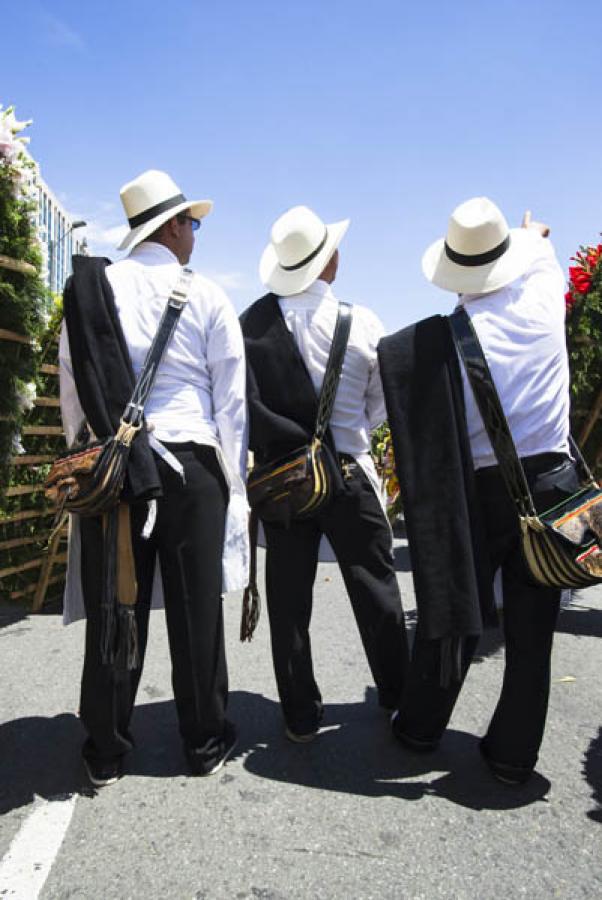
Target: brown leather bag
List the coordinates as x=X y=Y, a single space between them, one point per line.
x=294 y=486
x=88 y=480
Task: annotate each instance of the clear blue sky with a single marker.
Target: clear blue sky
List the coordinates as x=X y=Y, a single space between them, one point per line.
x=386 y=112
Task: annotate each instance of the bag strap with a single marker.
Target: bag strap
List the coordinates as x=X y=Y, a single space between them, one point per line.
x=490 y=407
x=334 y=367
x=177 y=301
x=586 y=472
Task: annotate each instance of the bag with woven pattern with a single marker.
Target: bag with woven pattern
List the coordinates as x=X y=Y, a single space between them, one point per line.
x=562 y=547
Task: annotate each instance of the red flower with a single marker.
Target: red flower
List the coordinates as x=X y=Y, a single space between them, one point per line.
x=580 y=279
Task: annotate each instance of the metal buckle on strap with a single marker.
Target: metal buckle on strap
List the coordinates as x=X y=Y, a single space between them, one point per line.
x=179 y=295
x=347 y=468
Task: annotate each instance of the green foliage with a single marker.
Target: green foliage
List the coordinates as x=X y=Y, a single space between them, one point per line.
x=382 y=453
x=22 y=302
x=584 y=342
x=25 y=308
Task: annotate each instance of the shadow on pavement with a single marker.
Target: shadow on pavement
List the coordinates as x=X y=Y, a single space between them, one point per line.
x=580 y=620
x=593 y=774
x=40 y=756
x=10 y=613
x=356 y=754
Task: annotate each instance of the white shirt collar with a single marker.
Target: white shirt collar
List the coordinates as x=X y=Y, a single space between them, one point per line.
x=151 y=252
x=319 y=288
x=312 y=296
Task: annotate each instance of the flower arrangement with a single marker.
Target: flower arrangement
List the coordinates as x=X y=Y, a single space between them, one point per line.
x=11 y=146
x=22 y=293
x=583 y=301
x=30 y=430
x=382 y=453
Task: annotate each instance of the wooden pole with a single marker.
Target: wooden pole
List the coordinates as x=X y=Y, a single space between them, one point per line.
x=50 y=558
x=591 y=420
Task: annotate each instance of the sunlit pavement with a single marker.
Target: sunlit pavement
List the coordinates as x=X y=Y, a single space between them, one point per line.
x=350 y=815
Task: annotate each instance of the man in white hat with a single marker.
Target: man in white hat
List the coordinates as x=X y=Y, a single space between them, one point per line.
x=288 y=335
x=462 y=524
x=191 y=460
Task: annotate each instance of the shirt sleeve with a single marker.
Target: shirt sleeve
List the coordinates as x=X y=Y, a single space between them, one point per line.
x=375 y=399
x=71 y=411
x=226 y=365
x=546 y=276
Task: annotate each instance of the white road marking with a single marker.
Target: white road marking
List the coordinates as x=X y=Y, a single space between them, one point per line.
x=27 y=864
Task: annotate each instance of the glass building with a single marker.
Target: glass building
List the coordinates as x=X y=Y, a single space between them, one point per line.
x=59 y=241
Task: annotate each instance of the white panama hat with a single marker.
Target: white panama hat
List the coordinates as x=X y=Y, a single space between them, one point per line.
x=151 y=199
x=299 y=250
x=479 y=254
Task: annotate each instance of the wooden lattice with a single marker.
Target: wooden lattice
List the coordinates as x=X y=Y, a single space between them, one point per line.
x=32 y=559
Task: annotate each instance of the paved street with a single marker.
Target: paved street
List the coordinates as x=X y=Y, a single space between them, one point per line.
x=352 y=815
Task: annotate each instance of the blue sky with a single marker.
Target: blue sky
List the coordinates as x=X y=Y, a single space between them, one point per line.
x=386 y=112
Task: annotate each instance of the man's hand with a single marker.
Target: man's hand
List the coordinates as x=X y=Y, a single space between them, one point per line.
x=543 y=229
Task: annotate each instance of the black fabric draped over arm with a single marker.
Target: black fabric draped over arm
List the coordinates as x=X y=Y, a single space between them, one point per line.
x=425 y=406
x=102 y=367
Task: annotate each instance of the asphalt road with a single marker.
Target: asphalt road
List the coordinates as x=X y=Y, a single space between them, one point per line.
x=352 y=815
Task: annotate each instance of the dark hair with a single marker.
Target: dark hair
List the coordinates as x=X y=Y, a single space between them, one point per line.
x=156 y=235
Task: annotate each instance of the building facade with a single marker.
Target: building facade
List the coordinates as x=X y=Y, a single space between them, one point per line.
x=58 y=238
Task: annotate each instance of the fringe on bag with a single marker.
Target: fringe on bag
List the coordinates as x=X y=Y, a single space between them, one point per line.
x=119 y=632
x=251 y=601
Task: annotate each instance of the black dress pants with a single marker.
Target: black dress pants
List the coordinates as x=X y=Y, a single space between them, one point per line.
x=361 y=539
x=188 y=537
x=530 y=613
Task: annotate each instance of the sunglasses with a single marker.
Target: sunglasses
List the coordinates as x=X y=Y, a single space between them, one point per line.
x=195 y=224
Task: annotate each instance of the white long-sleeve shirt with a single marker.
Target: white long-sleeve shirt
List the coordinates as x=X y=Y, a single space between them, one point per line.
x=199 y=394
x=521 y=330
x=359 y=404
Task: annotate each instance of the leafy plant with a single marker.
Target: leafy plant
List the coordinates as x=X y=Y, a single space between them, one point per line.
x=22 y=292
x=584 y=342
x=382 y=454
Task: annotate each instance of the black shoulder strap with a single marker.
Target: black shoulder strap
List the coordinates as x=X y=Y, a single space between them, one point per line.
x=488 y=401
x=333 y=369
x=177 y=301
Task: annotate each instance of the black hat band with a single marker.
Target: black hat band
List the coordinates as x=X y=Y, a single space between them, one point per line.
x=477 y=259
x=156 y=210
x=309 y=258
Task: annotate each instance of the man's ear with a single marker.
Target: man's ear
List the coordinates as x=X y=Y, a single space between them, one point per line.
x=172 y=227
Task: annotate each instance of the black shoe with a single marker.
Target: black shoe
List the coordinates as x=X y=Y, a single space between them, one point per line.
x=418 y=745
x=303 y=732
x=101 y=773
x=504 y=772
x=303 y=738
x=204 y=761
